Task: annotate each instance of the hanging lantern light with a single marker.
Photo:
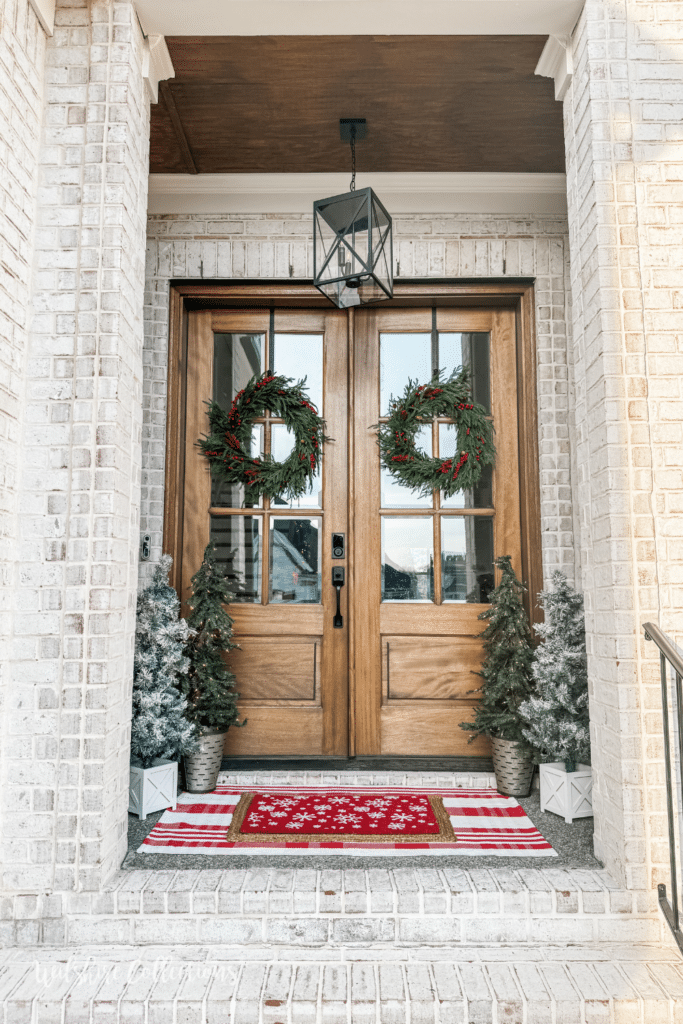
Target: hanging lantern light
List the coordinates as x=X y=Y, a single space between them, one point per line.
x=352 y=240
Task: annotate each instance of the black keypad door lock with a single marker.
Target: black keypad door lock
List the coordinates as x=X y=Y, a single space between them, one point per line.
x=338 y=546
x=338 y=580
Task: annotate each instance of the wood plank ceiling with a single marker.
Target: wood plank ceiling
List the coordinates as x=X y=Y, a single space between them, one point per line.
x=259 y=104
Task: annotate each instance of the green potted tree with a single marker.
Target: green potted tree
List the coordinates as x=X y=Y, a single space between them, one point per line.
x=160 y=732
x=507 y=683
x=209 y=685
x=555 y=717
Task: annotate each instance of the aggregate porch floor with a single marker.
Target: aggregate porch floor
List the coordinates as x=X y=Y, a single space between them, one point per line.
x=573 y=843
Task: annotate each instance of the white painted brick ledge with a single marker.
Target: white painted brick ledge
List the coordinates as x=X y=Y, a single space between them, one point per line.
x=335 y=909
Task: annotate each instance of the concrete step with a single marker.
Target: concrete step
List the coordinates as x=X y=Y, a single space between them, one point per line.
x=548 y=984
x=340 y=909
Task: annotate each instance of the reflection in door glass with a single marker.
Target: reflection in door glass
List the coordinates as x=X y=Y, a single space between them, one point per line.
x=403 y=357
x=396 y=495
x=281 y=444
x=480 y=496
x=468 y=349
x=298 y=356
x=236 y=358
x=238 y=552
x=295 y=560
x=467 y=559
x=407 y=558
x=225 y=495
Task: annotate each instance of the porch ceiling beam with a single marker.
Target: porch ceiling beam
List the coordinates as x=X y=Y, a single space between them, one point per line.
x=405 y=193
x=178 y=129
x=358 y=17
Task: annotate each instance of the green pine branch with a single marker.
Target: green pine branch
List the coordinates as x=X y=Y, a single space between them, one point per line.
x=507 y=668
x=209 y=685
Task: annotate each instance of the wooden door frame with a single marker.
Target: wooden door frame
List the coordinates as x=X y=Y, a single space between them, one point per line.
x=517 y=294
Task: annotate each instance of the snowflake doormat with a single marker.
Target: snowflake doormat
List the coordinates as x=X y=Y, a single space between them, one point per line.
x=378 y=821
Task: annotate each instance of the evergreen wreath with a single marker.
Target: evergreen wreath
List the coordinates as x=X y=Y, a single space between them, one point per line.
x=227 y=445
x=419 y=404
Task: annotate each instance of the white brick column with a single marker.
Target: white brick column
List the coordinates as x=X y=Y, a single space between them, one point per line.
x=68 y=706
x=22 y=57
x=624 y=140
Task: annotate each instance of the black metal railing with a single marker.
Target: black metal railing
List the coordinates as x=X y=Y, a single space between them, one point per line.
x=668 y=655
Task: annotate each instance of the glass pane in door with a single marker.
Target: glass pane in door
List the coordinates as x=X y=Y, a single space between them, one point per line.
x=298 y=356
x=394 y=494
x=469 y=349
x=403 y=357
x=281 y=444
x=467 y=559
x=236 y=358
x=228 y=495
x=480 y=496
x=407 y=558
x=238 y=552
x=295 y=558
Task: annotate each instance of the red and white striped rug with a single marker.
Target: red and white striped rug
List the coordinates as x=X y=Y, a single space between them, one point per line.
x=380 y=821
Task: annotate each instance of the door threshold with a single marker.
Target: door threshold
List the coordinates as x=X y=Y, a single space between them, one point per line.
x=358 y=764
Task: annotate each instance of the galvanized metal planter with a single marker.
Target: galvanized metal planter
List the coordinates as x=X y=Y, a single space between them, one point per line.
x=202 y=767
x=513 y=772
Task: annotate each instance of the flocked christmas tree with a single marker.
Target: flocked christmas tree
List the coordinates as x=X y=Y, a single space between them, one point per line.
x=159 y=728
x=209 y=684
x=556 y=716
x=506 y=670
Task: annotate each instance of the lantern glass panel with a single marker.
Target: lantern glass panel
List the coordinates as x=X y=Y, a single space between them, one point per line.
x=352 y=248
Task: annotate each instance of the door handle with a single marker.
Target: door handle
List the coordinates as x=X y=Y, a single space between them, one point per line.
x=338 y=582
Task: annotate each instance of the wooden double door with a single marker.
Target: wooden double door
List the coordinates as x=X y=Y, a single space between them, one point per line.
x=397 y=676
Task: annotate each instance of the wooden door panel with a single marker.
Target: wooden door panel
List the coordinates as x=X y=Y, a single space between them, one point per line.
x=430 y=668
x=433 y=620
x=278 y=619
x=418 y=728
x=277 y=732
x=278 y=668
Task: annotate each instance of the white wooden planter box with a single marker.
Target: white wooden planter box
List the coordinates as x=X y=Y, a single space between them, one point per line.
x=153 y=789
x=569 y=794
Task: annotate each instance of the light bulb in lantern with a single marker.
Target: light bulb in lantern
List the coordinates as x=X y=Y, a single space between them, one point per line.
x=344 y=262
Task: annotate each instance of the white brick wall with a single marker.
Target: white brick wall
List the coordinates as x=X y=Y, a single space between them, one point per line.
x=457 y=246
x=625 y=168
x=68 y=708
x=22 y=55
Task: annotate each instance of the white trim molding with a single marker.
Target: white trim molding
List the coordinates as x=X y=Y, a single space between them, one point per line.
x=557 y=62
x=401 y=193
x=157 y=65
x=45 y=12
x=357 y=17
